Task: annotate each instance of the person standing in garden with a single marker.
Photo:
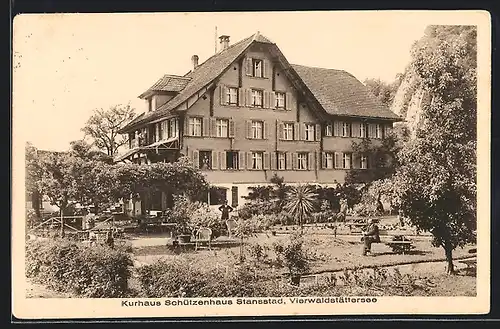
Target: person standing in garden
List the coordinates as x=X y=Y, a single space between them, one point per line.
x=225 y=209
x=370 y=235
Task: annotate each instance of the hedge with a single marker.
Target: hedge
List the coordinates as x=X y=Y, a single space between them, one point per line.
x=66 y=266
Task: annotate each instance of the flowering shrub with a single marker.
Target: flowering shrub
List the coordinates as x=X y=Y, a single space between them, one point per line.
x=190 y=215
x=180 y=278
x=96 y=271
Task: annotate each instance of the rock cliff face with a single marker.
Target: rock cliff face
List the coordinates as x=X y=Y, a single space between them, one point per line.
x=409 y=100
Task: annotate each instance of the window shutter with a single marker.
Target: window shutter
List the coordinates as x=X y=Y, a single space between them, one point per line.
x=288 y=101
x=356 y=161
x=318 y=132
x=388 y=130
x=231 y=129
x=215 y=160
x=265 y=130
x=294 y=161
x=196 y=159
x=349 y=126
x=302 y=131
x=248 y=129
x=273 y=161
x=213 y=127
x=249 y=160
x=272 y=96
x=205 y=127
x=296 y=132
x=223 y=163
x=241 y=160
x=266 y=72
x=281 y=130
x=223 y=95
x=323 y=160
x=310 y=161
x=338 y=160
x=266 y=161
x=241 y=97
x=265 y=99
x=248 y=100
x=186 y=127
x=288 y=160
x=371 y=130
x=336 y=128
x=356 y=127
x=248 y=66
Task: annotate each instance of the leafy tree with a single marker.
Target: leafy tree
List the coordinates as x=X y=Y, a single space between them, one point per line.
x=84 y=150
x=300 y=203
x=33 y=176
x=382 y=157
x=58 y=179
x=103 y=127
x=383 y=91
x=436 y=184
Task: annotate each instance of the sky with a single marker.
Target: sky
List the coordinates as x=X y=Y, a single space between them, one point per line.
x=71 y=64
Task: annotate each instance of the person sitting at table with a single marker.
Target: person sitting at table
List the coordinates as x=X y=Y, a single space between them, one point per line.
x=370 y=235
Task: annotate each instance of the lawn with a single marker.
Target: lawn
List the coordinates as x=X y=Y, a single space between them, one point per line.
x=329 y=253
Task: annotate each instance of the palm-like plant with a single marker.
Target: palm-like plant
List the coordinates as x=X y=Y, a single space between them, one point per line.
x=299 y=203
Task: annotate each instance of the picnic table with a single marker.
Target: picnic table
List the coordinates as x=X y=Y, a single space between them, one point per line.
x=470 y=263
x=400 y=244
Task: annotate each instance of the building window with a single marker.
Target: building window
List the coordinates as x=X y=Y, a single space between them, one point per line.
x=195 y=126
x=329 y=161
x=329 y=130
x=362 y=130
x=346 y=129
x=222 y=127
x=217 y=195
x=232 y=96
x=302 y=161
x=232 y=160
x=378 y=131
x=257 y=160
x=205 y=160
x=280 y=100
x=288 y=131
x=257 y=127
x=309 y=132
x=363 y=162
x=257 y=98
x=174 y=128
x=346 y=161
x=281 y=160
x=257 y=68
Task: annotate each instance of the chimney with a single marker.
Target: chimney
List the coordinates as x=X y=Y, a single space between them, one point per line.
x=224 y=41
x=194 y=60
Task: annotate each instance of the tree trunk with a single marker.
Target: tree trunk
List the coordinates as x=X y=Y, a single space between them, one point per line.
x=61 y=210
x=449 y=259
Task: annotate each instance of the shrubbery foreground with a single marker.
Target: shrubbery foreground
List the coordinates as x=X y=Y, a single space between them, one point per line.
x=100 y=272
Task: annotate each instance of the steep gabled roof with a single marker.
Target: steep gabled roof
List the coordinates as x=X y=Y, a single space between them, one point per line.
x=203 y=75
x=340 y=93
x=337 y=92
x=168 y=82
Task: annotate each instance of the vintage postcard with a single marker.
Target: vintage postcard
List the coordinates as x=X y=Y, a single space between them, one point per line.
x=251 y=164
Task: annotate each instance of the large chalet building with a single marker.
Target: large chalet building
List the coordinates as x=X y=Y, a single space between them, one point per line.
x=246 y=113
